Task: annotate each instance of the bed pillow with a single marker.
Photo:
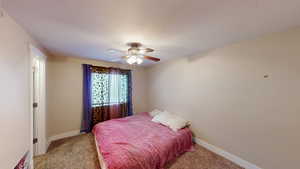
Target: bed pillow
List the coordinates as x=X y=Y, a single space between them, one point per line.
x=170 y=120
x=154 y=112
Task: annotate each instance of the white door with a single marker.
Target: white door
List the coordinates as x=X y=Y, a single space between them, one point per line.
x=35 y=94
x=38 y=102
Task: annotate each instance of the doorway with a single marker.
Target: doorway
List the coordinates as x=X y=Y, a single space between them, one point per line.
x=35 y=73
x=38 y=102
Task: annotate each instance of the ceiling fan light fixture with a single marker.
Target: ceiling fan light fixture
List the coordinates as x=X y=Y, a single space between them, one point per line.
x=134 y=59
x=131 y=60
x=136 y=54
x=139 y=61
x=133 y=52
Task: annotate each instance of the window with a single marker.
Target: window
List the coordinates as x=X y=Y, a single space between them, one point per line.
x=107 y=94
x=109 y=89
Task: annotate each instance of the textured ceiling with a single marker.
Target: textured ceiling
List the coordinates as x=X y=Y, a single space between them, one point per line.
x=174 y=28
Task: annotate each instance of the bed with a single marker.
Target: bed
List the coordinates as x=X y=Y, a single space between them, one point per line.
x=136 y=142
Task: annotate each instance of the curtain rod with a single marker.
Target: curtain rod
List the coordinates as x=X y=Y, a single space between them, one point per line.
x=110 y=68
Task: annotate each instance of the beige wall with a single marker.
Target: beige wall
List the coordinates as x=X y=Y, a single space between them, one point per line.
x=64 y=92
x=230 y=103
x=14 y=93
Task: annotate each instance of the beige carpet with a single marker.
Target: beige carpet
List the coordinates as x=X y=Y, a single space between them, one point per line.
x=80 y=152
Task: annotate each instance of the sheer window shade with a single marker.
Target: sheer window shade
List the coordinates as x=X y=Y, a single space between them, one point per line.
x=109 y=89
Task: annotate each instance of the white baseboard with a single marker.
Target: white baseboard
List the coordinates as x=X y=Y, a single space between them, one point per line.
x=237 y=160
x=63 y=135
x=47 y=145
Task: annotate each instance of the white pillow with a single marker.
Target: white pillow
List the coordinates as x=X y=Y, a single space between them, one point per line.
x=170 y=120
x=155 y=112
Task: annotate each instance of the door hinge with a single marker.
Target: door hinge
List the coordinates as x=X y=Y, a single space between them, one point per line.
x=35 y=105
x=35 y=140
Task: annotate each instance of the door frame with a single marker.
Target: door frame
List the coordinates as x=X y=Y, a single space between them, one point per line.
x=37 y=55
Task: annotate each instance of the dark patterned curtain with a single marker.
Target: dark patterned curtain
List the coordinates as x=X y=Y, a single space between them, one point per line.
x=111 y=93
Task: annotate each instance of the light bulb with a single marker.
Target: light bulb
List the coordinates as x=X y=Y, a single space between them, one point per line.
x=131 y=60
x=139 y=60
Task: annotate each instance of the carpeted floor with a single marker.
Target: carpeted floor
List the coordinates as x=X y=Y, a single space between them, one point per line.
x=80 y=152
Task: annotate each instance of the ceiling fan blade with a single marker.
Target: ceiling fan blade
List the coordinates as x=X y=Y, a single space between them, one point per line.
x=149 y=50
x=146 y=50
x=116 y=60
x=124 y=57
x=115 y=51
x=152 y=58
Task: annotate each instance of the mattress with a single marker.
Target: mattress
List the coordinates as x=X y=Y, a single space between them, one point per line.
x=136 y=142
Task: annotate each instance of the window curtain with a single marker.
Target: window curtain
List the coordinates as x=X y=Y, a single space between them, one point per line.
x=129 y=95
x=87 y=99
x=110 y=92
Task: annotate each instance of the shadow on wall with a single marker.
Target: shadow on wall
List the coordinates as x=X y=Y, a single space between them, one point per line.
x=200 y=55
x=58 y=58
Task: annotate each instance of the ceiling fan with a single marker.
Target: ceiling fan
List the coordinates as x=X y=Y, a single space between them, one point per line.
x=137 y=53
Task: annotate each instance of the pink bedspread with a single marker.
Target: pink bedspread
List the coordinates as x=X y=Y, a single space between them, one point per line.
x=136 y=142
